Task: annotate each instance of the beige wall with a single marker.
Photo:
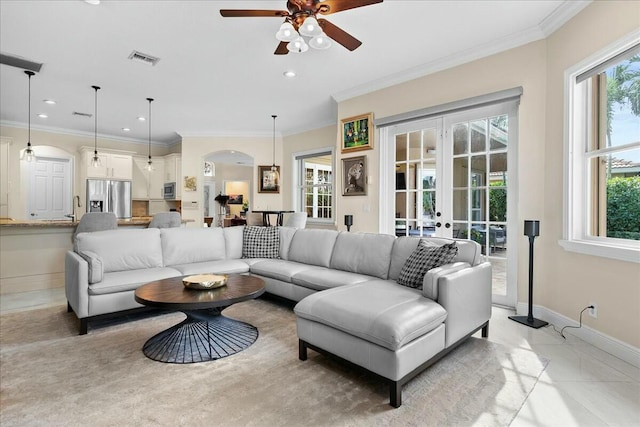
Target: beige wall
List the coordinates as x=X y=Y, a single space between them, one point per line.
x=565 y=282
x=194 y=151
x=571 y=281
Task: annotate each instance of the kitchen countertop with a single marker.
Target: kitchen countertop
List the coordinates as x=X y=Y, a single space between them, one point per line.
x=135 y=221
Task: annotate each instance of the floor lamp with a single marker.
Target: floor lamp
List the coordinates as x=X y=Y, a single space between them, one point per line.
x=531 y=229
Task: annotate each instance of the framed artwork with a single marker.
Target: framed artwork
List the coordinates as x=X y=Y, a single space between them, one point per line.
x=235 y=199
x=208 y=169
x=357 y=133
x=354 y=172
x=190 y=183
x=269 y=181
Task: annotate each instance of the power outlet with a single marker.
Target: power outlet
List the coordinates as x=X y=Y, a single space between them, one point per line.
x=593 y=312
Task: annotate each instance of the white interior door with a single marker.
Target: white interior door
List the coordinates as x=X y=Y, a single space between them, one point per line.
x=50 y=192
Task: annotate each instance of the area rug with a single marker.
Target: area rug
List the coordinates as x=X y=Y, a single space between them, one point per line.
x=50 y=376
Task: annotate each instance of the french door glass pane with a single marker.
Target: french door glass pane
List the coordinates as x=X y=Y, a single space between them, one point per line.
x=498 y=131
x=460 y=138
x=460 y=171
x=478 y=136
x=460 y=203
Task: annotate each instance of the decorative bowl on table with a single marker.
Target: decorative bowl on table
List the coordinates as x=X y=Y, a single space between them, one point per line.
x=205 y=281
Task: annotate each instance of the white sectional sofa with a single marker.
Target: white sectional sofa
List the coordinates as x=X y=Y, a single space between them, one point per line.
x=349 y=302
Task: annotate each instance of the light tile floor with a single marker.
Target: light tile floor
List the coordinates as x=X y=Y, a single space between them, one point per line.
x=582 y=385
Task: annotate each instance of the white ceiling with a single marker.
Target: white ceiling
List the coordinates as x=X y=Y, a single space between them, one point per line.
x=218 y=76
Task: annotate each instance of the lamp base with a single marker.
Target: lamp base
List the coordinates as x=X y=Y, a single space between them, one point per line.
x=534 y=323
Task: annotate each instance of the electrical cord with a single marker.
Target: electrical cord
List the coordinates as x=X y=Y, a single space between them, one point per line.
x=561 y=331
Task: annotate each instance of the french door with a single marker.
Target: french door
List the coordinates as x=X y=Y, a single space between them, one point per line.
x=451 y=179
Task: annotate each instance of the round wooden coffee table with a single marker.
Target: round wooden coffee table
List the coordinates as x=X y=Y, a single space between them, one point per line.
x=205 y=334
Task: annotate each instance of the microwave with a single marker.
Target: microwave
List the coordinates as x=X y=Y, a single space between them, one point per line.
x=170 y=190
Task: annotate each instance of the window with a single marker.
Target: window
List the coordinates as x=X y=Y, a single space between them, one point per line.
x=315 y=185
x=602 y=215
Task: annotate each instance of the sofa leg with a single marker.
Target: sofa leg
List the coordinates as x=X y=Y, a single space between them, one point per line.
x=485 y=330
x=69 y=309
x=84 y=322
x=302 y=350
x=395 y=394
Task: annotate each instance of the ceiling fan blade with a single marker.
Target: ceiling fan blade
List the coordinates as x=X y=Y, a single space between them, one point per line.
x=340 y=5
x=339 y=35
x=243 y=13
x=282 y=49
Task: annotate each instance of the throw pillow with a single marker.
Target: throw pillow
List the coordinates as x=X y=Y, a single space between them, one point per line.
x=260 y=242
x=423 y=259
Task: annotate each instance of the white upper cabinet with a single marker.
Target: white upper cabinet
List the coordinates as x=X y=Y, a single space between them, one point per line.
x=116 y=166
x=173 y=172
x=148 y=185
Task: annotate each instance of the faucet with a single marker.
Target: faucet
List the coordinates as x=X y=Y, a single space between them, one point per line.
x=76 y=200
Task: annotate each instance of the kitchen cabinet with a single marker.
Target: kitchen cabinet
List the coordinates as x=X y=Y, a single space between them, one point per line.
x=173 y=172
x=112 y=165
x=148 y=185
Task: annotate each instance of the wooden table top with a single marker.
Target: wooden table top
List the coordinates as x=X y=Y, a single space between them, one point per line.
x=171 y=294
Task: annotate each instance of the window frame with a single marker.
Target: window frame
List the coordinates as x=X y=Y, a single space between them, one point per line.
x=298 y=183
x=578 y=116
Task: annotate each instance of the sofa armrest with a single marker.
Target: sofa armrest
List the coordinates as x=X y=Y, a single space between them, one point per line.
x=466 y=295
x=430 y=281
x=76 y=283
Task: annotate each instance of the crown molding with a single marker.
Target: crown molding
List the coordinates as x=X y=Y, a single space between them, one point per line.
x=62 y=131
x=227 y=134
x=561 y=15
x=548 y=25
x=318 y=125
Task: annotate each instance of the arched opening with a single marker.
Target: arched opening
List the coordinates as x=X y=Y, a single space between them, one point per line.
x=230 y=173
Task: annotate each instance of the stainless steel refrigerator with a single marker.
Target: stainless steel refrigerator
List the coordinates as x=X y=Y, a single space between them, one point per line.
x=105 y=195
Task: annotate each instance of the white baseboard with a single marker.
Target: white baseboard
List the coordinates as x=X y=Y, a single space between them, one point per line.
x=604 y=342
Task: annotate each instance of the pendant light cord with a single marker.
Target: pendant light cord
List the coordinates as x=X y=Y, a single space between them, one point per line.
x=29 y=73
x=150 y=100
x=95 y=127
x=274 y=141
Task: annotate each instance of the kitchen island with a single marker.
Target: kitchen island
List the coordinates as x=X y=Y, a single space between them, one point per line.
x=32 y=251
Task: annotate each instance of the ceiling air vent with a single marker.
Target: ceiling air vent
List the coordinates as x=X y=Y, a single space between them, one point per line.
x=77 y=113
x=143 y=57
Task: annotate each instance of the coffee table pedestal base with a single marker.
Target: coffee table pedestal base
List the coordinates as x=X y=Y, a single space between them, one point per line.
x=203 y=336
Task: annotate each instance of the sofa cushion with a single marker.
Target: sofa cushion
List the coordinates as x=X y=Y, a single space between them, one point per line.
x=187 y=245
x=321 y=278
x=312 y=246
x=286 y=235
x=277 y=269
x=122 y=281
x=223 y=266
x=364 y=253
x=260 y=242
x=403 y=247
x=125 y=249
x=424 y=258
x=392 y=317
x=233 y=241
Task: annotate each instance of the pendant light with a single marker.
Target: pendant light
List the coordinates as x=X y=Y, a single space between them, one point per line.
x=149 y=162
x=274 y=168
x=95 y=161
x=29 y=154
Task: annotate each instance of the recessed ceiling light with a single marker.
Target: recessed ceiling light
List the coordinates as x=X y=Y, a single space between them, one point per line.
x=289 y=74
x=49 y=101
x=42 y=116
x=126 y=129
x=92 y=2
x=142 y=119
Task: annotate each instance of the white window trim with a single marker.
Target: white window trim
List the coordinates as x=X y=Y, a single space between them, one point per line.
x=295 y=199
x=574 y=235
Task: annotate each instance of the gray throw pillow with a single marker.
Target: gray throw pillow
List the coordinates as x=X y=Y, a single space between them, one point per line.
x=260 y=242
x=423 y=259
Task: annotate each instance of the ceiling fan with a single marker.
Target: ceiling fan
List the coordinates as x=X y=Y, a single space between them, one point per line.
x=300 y=19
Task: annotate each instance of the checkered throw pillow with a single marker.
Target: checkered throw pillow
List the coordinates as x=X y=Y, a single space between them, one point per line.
x=260 y=242
x=423 y=259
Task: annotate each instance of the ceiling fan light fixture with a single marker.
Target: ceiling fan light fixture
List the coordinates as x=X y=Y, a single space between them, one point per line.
x=320 y=42
x=298 y=46
x=287 y=33
x=310 y=27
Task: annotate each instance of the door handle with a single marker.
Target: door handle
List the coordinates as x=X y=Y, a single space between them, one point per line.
x=438 y=224
x=438 y=214
x=447 y=225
